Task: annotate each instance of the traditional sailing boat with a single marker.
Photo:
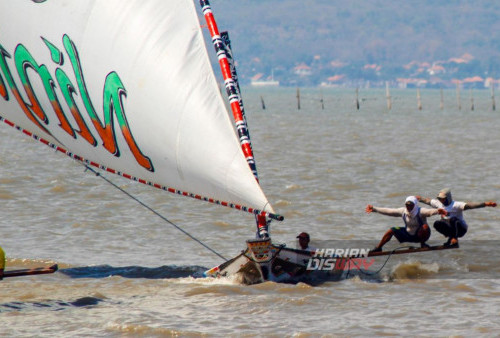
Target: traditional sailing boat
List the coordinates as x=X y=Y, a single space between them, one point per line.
x=128 y=87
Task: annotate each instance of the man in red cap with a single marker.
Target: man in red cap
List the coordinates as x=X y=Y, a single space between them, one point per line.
x=304 y=241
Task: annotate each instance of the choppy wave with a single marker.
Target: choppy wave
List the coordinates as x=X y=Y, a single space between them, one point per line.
x=51 y=305
x=162 y=272
x=319 y=169
x=414 y=270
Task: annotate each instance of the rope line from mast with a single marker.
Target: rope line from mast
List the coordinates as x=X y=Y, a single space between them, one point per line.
x=154 y=211
x=368 y=273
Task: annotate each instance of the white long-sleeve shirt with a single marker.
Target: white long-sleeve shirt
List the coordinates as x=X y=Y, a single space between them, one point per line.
x=454 y=209
x=412 y=223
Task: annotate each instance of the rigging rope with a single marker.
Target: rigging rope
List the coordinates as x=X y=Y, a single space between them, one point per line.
x=383 y=265
x=154 y=211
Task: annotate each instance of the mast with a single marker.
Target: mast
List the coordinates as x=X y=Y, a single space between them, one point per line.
x=234 y=74
x=231 y=86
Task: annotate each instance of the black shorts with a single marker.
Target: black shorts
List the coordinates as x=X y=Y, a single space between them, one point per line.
x=452 y=227
x=403 y=236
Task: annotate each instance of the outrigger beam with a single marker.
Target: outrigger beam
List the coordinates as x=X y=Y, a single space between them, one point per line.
x=28 y=272
x=411 y=250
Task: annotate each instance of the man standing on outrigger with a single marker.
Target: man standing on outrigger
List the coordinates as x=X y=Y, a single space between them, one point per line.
x=452 y=225
x=416 y=229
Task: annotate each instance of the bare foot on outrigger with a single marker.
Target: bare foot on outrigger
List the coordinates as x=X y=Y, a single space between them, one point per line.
x=452 y=241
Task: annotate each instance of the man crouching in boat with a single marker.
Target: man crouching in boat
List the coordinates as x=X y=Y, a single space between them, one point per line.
x=453 y=224
x=416 y=229
x=304 y=240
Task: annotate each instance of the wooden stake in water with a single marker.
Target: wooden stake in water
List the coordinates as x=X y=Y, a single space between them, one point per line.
x=388 y=96
x=471 y=100
x=357 y=98
x=321 y=100
x=298 y=98
x=262 y=103
x=442 y=100
x=459 y=103
x=493 y=96
x=419 y=100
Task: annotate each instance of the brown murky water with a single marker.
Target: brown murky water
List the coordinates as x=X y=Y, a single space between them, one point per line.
x=126 y=272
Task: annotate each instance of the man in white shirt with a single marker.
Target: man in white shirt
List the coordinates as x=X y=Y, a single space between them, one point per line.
x=452 y=225
x=415 y=230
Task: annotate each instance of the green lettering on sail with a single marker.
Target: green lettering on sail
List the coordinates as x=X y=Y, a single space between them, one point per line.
x=114 y=91
x=24 y=61
x=68 y=90
x=113 y=95
x=12 y=85
x=3 y=89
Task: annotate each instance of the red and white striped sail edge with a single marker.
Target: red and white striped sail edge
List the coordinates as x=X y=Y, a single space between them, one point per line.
x=130 y=177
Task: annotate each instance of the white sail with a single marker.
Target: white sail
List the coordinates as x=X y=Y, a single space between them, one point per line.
x=127 y=85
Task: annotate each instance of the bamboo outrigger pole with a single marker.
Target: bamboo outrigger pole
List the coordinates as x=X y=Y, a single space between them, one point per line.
x=493 y=96
x=388 y=96
x=298 y=98
x=411 y=250
x=357 y=98
x=471 y=100
x=458 y=97
x=419 y=100
x=23 y=272
x=441 y=105
x=29 y=272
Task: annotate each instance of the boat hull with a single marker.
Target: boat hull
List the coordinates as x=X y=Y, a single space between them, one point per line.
x=263 y=261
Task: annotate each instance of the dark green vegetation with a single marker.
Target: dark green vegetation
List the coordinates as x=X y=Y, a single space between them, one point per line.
x=282 y=34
